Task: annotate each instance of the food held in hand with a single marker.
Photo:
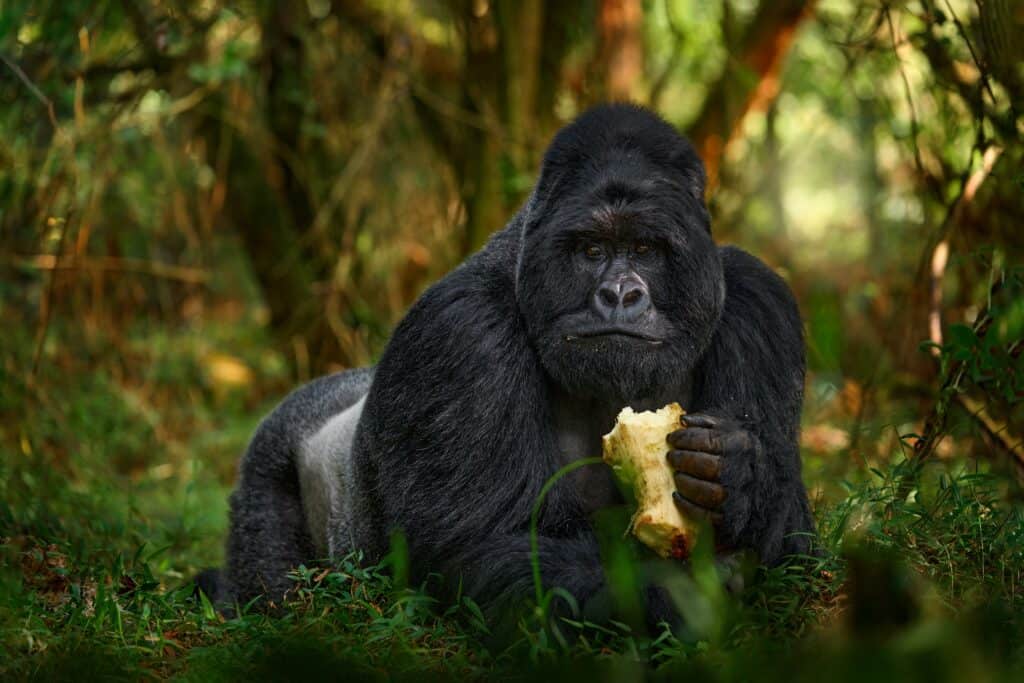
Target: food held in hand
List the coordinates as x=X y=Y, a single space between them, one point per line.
x=636 y=450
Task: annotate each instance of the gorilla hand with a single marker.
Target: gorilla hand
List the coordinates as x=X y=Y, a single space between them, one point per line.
x=713 y=459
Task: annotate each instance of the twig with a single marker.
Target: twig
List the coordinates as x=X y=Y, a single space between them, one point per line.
x=167 y=271
x=363 y=152
x=995 y=430
x=867 y=41
x=857 y=429
x=914 y=125
x=970 y=48
x=34 y=89
x=46 y=305
x=935 y=424
x=460 y=114
x=969 y=185
x=380 y=34
x=939 y=259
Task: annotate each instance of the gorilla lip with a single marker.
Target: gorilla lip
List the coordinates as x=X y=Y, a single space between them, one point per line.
x=613 y=332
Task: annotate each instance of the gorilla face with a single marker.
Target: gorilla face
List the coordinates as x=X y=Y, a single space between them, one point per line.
x=618 y=280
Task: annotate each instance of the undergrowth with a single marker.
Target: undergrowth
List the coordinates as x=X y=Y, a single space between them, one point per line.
x=112 y=494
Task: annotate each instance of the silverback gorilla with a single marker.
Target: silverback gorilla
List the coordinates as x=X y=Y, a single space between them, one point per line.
x=605 y=290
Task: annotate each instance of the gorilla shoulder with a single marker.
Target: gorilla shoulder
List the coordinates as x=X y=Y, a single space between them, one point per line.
x=754 y=289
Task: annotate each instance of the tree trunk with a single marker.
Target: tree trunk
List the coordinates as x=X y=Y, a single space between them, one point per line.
x=505 y=86
x=477 y=160
x=514 y=51
x=750 y=79
x=773 y=181
x=621 y=48
x=267 y=203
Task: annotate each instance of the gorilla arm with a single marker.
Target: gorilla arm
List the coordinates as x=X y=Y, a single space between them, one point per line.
x=738 y=462
x=456 y=442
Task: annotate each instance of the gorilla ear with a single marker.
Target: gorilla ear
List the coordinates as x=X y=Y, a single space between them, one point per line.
x=692 y=167
x=549 y=184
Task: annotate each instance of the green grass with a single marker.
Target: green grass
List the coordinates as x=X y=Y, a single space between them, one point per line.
x=113 y=489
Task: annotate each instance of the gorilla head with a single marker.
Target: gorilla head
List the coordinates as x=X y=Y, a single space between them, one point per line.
x=618 y=280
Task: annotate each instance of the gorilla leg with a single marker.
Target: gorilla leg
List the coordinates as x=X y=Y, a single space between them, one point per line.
x=270 y=531
x=268 y=535
x=327 y=483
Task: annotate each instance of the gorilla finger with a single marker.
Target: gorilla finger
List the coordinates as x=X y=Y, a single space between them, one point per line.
x=701 y=420
x=696 y=439
x=695 y=511
x=703 y=493
x=701 y=465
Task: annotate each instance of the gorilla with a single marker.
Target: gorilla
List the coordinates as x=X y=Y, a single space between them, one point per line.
x=604 y=290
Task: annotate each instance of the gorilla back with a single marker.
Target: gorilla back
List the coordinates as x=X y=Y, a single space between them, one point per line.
x=605 y=290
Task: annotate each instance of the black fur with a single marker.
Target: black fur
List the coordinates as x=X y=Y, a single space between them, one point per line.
x=483 y=392
x=268 y=535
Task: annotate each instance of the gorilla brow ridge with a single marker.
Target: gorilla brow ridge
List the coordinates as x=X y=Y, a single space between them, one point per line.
x=633 y=217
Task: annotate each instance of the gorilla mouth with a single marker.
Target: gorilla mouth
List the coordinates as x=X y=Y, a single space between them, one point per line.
x=613 y=332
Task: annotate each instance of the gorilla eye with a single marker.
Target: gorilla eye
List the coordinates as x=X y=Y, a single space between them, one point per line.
x=594 y=252
x=642 y=248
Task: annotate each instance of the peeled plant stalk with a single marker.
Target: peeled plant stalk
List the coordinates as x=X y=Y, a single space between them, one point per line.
x=636 y=449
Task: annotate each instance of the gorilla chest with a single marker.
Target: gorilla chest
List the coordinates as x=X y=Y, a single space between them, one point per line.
x=579 y=426
x=595 y=484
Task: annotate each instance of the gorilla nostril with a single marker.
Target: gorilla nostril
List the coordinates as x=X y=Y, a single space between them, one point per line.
x=632 y=297
x=608 y=296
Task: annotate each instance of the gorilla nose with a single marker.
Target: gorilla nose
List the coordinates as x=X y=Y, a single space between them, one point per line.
x=624 y=300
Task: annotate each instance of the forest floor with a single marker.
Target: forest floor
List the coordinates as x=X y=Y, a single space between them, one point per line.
x=115 y=467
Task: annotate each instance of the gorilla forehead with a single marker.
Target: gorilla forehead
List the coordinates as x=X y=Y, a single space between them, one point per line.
x=617 y=127
x=621 y=203
x=615 y=157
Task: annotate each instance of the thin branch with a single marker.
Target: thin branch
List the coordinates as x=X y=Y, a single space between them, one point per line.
x=969 y=185
x=46 y=303
x=996 y=431
x=166 y=271
x=34 y=89
x=974 y=55
x=363 y=152
x=915 y=126
x=935 y=423
x=944 y=67
x=940 y=256
x=868 y=41
x=460 y=114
